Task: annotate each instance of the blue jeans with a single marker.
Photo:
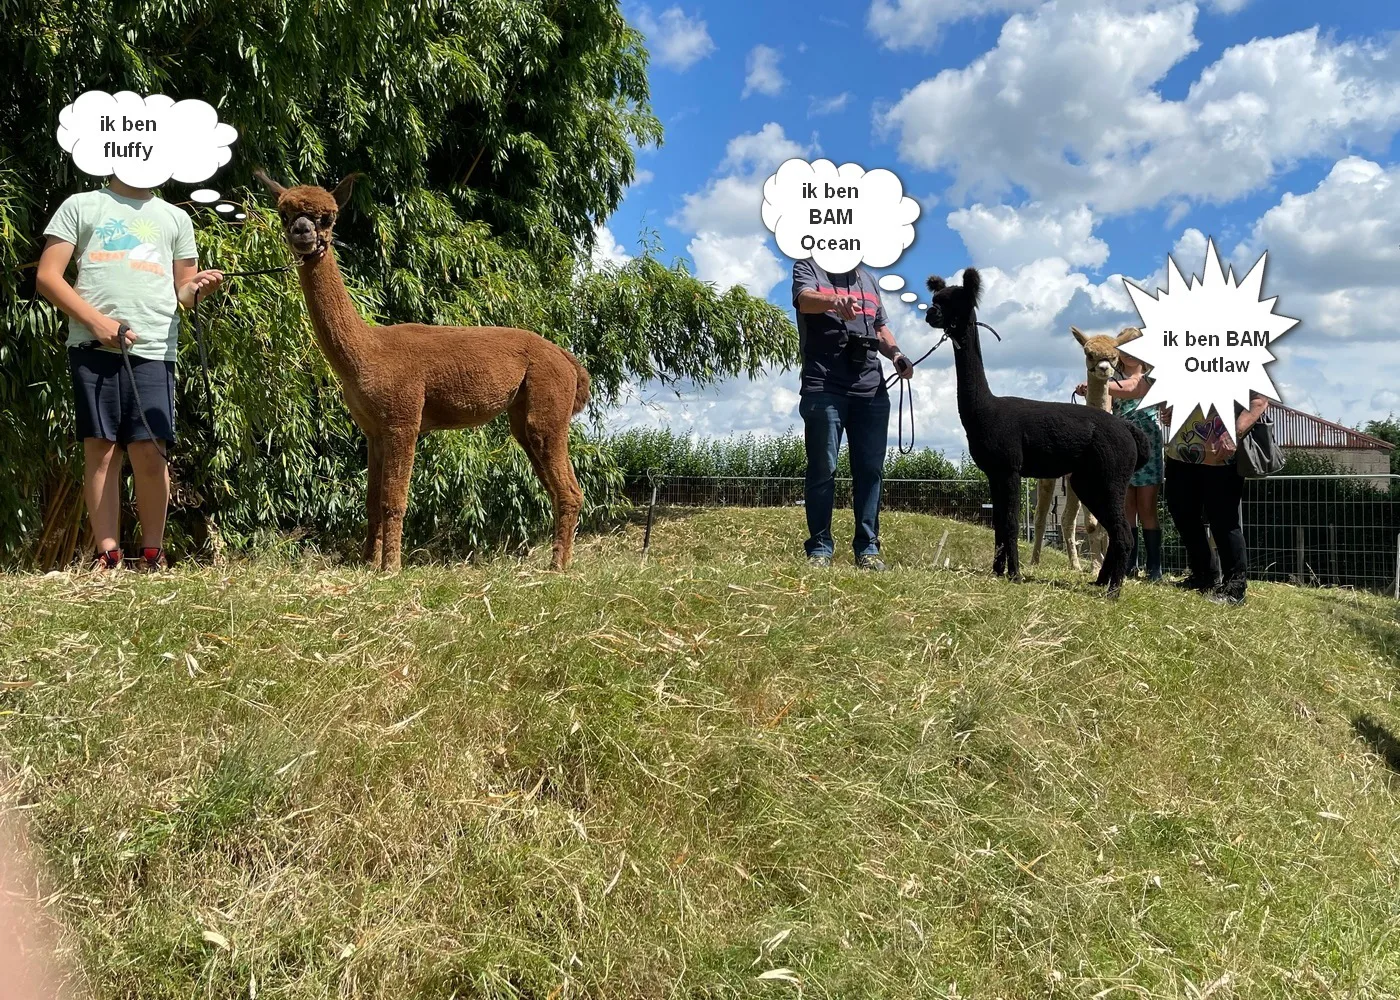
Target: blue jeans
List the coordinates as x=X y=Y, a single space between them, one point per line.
x=866 y=423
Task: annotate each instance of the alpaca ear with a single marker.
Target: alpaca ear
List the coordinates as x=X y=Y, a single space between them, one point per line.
x=972 y=281
x=276 y=190
x=1129 y=333
x=1078 y=335
x=343 y=189
x=936 y=284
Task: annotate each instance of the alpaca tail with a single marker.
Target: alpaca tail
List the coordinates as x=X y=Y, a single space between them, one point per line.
x=584 y=385
x=1144 y=444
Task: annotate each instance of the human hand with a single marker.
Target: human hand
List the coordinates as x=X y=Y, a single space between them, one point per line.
x=1221 y=445
x=1082 y=389
x=106 y=332
x=1258 y=405
x=846 y=307
x=202 y=285
x=903 y=366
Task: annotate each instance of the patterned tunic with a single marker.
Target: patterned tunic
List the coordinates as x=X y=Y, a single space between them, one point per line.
x=1151 y=473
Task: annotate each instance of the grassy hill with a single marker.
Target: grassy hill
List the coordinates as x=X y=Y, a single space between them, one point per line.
x=711 y=773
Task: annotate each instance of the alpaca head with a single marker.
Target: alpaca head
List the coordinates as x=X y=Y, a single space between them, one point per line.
x=308 y=212
x=953 y=308
x=1101 y=352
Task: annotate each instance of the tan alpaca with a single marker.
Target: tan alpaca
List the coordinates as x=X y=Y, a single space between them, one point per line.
x=405 y=380
x=1100 y=360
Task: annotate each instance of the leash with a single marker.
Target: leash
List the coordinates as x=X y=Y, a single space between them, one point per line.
x=904 y=388
x=199 y=331
x=123 y=330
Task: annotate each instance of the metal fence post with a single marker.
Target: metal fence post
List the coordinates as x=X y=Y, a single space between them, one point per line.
x=651 y=512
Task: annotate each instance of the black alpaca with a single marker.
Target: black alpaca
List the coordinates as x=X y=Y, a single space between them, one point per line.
x=1009 y=437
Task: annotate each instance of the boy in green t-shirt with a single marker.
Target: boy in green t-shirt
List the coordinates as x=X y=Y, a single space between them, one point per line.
x=137 y=263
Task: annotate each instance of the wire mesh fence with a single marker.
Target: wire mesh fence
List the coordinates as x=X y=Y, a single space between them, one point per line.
x=1334 y=530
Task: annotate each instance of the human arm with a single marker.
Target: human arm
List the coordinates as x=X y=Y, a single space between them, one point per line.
x=1130 y=387
x=812 y=301
x=807 y=299
x=189 y=280
x=52 y=285
x=1249 y=417
x=891 y=350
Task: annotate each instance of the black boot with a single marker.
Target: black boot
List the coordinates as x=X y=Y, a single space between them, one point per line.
x=1153 y=538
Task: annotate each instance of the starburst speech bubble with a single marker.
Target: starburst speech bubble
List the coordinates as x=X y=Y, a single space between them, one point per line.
x=1208 y=341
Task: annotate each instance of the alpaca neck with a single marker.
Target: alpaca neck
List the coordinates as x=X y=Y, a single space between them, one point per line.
x=340 y=332
x=1096 y=394
x=974 y=394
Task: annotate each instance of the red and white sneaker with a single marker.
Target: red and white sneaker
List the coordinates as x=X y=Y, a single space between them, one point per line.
x=106 y=562
x=151 y=560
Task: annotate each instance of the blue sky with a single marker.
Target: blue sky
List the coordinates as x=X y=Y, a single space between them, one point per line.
x=1059 y=147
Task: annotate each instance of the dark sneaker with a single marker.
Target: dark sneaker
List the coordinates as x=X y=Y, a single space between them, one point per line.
x=872 y=563
x=1228 y=593
x=151 y=560
x=105 y=562
x=819 y=562
x=1191 y=583
x=1222 y=596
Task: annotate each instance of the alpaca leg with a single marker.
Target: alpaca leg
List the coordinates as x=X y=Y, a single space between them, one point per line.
x=398 y=445
x=1105 y=500
x=1069 y=526
x=548 y=451
x=374 y=502
x=1096 y=535
x=1044 y=495
x=1006 y=493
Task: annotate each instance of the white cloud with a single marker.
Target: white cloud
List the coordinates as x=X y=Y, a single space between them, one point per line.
x=743 y=259
x=677 y=40
x=819 y=106
x=731 y=244
x=1065 y=107
x=1011 y=236
x=763 y=75
x=1228 y=6
x=606 y=249
x=1342 y=235
x=908 y=24
x=643 y=177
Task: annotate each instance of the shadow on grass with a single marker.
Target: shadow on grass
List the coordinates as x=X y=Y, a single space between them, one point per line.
x=1379 y=738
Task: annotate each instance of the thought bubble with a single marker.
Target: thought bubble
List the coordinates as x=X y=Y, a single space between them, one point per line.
x=205 y=196
x=891 y=283
x=909 y=297
x=144 y=141
x=240 y=215
x=923 y=305
x=839 y=217
x=1208 y=341
x=225 y=207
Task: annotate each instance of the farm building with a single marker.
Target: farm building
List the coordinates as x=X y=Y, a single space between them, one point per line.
x=1349 y=450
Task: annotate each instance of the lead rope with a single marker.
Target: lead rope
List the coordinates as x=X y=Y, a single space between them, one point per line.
x=123 y=329
x=903 y=389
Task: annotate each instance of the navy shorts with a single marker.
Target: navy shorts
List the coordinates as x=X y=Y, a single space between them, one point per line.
x=104 y=400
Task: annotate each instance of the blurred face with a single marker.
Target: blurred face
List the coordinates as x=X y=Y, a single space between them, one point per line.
x=1129 y=364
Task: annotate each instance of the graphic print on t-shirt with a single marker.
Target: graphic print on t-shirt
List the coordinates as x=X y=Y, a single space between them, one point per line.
x=134 y=241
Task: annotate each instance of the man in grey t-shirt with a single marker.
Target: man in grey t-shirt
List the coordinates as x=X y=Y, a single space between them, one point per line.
x=841 y=334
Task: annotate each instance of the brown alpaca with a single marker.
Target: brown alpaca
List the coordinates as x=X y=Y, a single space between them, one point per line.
x=1100 y=361
x=402 y=381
